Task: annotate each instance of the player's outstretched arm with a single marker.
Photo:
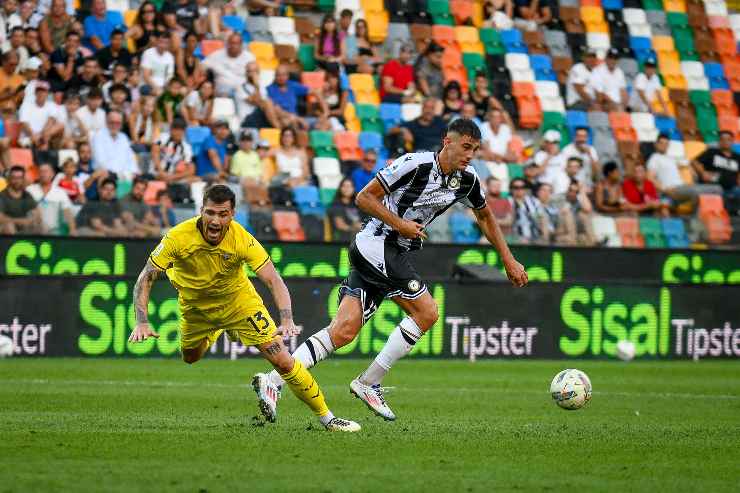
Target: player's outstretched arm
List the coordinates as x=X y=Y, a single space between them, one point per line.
x=142 y=288
x=270 y=277
x=370 y=200
x=489 y=227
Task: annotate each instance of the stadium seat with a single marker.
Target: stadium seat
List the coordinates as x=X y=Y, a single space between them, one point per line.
x=223 y=108
x=652 y=231
x=605 y=229
x=468 y=39
x=196 y=136
x=208 y=46
x=644 y=125
x=328 y=171
x=390 y=114
x=363 y=87
x=629 y=231
x=621 y=124
x=675 y=233
x=283 y=30
x=313 y=80
x=264 y=52
x=463 y=228
x=24 y=157
x=370 y=140
x=308 y=200
x=410 y=111
x=322 y=142
x=152 y=188
x=234 y=22
x=513 y=41
x=287 y=224
x=715 y=218
x=492 y=42
x=305 y=28
x=348 y=145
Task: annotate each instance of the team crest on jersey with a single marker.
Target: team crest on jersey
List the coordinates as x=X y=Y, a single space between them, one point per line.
x=454 y=183
x=414 y=285
x=227 y=256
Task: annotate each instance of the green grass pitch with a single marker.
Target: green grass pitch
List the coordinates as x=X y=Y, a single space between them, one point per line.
x=160 y=425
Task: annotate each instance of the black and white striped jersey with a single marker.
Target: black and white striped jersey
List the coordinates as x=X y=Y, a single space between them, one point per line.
x=418 y=191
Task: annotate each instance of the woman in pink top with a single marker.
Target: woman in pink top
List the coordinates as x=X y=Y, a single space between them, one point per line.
x=329 y=45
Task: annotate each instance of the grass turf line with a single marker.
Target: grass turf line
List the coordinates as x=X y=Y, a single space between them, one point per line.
x=160 y=425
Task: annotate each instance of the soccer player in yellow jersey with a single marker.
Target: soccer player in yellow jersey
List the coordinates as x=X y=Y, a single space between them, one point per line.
x=203 y=257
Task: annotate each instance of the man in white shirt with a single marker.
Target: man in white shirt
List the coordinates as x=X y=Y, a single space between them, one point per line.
x=52 y=200
x=229 y=66
x=495 y=138
x=112 y=149
x=92 y=116
x=646 y=89
x=609 y=85
x=591 y=166
x=253 y=105
x=579 y=95
x=550 y=164
x=158 y=64
x=39 y=118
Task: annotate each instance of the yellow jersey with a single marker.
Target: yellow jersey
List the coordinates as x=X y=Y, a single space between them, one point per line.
x=206 y=275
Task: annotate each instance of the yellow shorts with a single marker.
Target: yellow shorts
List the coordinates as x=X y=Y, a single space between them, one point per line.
x=243 y=316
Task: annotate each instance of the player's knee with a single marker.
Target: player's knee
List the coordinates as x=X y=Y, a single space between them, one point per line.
x=283 y=365
x=427 y=317
x=343 y=332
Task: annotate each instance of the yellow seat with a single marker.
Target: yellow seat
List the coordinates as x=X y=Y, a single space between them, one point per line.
x=674 y=6
x=377 y=26
x=693 y=148
x=686 y=175
x=675 y=81
x=667 y=98
x=372 y=6
x=669 y=63
x=271 y=135
x=597 y=27
x=663 y=43
x=468 y=39
x=129 y=17
x=361 y=82
x=592 y=14
x=265 y=54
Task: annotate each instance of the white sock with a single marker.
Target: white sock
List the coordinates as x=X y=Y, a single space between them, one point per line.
x=316 y=348
x=399 y=344
x=326 y=418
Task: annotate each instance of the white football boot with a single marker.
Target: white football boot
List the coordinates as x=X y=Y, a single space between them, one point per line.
x=267 y=396
x=372 y=396
x=339 y=424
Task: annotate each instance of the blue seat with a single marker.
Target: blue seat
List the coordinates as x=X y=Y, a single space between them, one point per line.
x=675 y=233
x=542 y=66
x=390 y=113
x=667 y=125
x=308 y=200
x=463 y=228
x=370 y=140
x=612 y=4
x=242 y=217
x=713 y=69
x=234 y=22
x=736 y=148
x=196 y=136
x=642 y=47
x=513 y=41
x=575 y=118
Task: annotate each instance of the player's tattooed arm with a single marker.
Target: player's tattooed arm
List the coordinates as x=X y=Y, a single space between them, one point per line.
x=270 y=277
x=142 y=288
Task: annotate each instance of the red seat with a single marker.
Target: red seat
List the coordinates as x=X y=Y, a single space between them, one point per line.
x=629 y=230
x=715 y=218
x=288 y=226
x=152 y=188
x=348 y=145
x=313 y=80
x=24 y=157
x=530 y=112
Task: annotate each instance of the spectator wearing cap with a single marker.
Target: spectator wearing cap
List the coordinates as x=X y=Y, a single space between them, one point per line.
x=646 y=90
x=172 y=155
x=111 y=148
x=114 y=54
x=30 y=72
x=579 y=94
x=550 y=164
x=66 y=60
x=428 y=69
x=213 y=161
x=19 y=212
x=640 y=191
x=92 y=115
x=363 y=174
x=53 y=202
x=608 y=193
x=253 y=105
x=609 y=85
x=158 y=64
x=246 y=165
x=229 y=65
x=397 y=78
x=284 y=94
x=55 y=26
x=102 y=217
x=588 y=156
x=39 y=119
x=425 y=132
x=99 y=25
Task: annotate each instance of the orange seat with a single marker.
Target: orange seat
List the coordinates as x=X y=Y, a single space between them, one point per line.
x=530 y=112
x=462 y=10
x=592 y=14
x=458 y=74
x=715 y=218
x=468 y=39
x=348 y=145
x=152 y=188
x=523 y=89
x=287 y=224
x=725 y=41
x=729 y=123
x=208 y=46
x=693 y=148
x=621 y=124
x=444 y=35
x=629 y=230
x=24 y=157
x=313 y=80
x=675 y=6
x=724 y=101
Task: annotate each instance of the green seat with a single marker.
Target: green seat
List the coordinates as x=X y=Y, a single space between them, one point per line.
x=123 y=188
x=327 y=195
x=438 y=7
x=474 y=62
x=677 y=19
x=652 y=4
x=515 y=170
x=652 y=231
x=706 y=118
x=305 y=56
x=367 y=112
x=323 y=143
x=491 y=40
x=700 y=98
x=325 y=5
x=688 y=55
x=372 y=125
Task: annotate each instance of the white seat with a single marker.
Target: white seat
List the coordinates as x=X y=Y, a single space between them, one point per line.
x=410 y=111
x=735 y=21
x=641 y=30
x=676 y=150
x=697 y=83
x=119 y=5
x=330 y=181
x=692 y=69
x=500 y=171
x=326 y=166
x=353 y=5
x=196 y=193
x=606 y=228
x=292 y=39
x=634 y=16
x=552 y=105
x=644 y=125
x=266 y=78
x=598 y=41
x=547 y=89
x=716 y=8
x=517 y=61
x=525 y=75
x=281 y=25
x=223 y=108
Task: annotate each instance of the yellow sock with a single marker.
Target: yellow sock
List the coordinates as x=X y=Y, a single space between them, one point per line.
x=305 y=387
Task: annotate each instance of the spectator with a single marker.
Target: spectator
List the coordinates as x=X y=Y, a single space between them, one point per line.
x=32 y=42
x=137 y=217
x=646 y=89
x=345 y=23
x=74 y=129
x=18 y=210
x=114 y=54
x=188 y=65
x=15 y=44
x=146 y=25
x=172 y=156
x=99 y=25
x=158 y=64
x=721 y=166
x=92 y=116
x=501 y=207
x=608 y=193
x=452 y=101
x=360 y=54
x=30 y=73
x=498 y=14
x=397 y=78
x=344 y=216
x=246 y=165
x=639 y=191
x=580 y=213
x=88 y=79
x=111 y=149
x=8 y=10
x=336 y=99
x=163 y=211
x=364 y=174
x=253 y=105
x=119 y=100
x=428 y=69
x=66 y=61
x=495 y=138
x=579 y=94
x=284 y=94
x=480 y=96
x=89 y=177
x=580 y=148
x=70 y=183
x=53 y=202
x=197 y=108
x=229 y=66
x=529 y=220
x=56 y=25
x=468 y=112
x=532 y=13
x=168 y=103
x=267 y=159
x=550 y=164
x=144 y=124
x=291 y=161
x=329 y=46
x=117 y=76
x=182 y=16
x=39 y=120
x=573 y=167
x=426 y=131
x=102 y=218
x=557 y=228
x=264 y=7
x=212 y=163
x=11 y=84
x=609 y=85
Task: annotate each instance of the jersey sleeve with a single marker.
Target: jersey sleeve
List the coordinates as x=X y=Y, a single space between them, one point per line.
x=476 y=198
x=165 y=254
x=399 y=173
x=254 y=254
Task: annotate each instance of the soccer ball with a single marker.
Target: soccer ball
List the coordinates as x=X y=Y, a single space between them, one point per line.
x=571 y=389
x=626 y=350
x=6 y=346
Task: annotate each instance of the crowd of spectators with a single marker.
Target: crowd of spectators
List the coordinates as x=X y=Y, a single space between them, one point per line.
x=105 y=108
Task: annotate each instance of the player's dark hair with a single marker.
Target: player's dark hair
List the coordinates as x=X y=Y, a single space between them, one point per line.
x=466 y=127
x=218 y=194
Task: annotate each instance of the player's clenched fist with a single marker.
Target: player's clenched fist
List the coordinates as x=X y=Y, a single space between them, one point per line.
x=412 y=230
x=141 y=333
x=517 y=274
